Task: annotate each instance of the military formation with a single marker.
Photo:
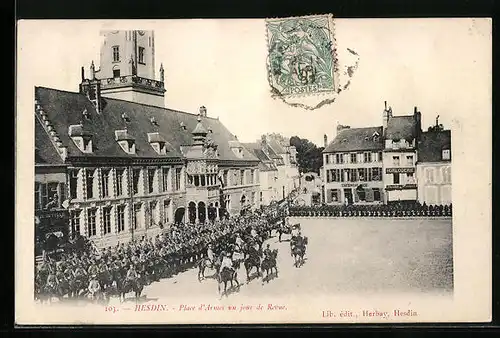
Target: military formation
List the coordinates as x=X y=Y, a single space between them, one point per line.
x=128 y=267
x=391 y=210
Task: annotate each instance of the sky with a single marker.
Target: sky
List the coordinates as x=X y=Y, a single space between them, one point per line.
x=442 y=66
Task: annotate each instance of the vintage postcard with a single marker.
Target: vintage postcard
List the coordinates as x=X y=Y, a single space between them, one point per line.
x=266 y=171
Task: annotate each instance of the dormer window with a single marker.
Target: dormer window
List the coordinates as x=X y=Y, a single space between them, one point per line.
x=82 y=139
x=125 y=117
x=446 y=154
x=125 y=141
x=153 y=121
x=158 y=143
x=236 y=148
x=183 y=126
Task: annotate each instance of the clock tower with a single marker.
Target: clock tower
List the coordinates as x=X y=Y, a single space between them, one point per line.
x=127 y=67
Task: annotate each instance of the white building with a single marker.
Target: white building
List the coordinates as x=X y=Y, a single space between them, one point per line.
x=401 y=134
x=352 y=166
x=434 y=168
x=284 y=157
x=268 y=175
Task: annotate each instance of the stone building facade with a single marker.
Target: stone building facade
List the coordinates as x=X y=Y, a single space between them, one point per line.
x=133 y=167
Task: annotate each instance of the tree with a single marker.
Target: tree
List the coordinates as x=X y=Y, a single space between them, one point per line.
x=309 y=156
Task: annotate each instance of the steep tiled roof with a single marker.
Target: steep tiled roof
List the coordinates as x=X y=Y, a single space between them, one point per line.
x=45 y=151
x=356 y=139
x=65 y=108
x=275 y=145
x=401 y=127
x=266 y=163
x=432 y=144
x=272 y=154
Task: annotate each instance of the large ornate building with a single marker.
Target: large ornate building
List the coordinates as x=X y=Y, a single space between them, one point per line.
x=133 y=166
x=379 y=164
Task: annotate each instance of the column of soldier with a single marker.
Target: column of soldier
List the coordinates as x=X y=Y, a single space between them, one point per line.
x=179 y=247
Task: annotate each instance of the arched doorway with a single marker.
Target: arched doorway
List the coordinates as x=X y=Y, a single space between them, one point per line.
x=192 y=212
x=179 y=215
x=217 y=211
x=211 y=212
x=243 y=209
x=202 y=216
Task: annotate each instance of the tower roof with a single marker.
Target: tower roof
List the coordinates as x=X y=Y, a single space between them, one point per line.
x=199 y=129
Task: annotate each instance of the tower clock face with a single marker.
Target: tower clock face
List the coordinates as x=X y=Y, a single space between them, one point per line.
x=142 y=32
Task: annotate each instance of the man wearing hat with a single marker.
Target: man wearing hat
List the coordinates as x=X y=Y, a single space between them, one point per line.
x=267 y=252
x=93 y=269
x=226 y=262
x=94 y=286
x=238 y=241
x=210 y=254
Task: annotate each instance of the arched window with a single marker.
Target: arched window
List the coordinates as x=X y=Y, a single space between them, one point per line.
x=116 y=71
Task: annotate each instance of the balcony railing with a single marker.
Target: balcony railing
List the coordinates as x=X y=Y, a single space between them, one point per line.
x=132 y=80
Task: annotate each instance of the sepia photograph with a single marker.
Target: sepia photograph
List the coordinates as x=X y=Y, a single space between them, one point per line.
x=304 y=169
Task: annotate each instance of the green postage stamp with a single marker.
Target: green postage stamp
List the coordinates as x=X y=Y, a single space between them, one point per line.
x=301 y=58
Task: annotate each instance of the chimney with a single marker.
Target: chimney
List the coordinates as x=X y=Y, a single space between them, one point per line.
x=418 y=122
x=325 y=140
x=341 y=127
x=92 y=90
x=203 y=111
x=385 y=117
x=92 y=70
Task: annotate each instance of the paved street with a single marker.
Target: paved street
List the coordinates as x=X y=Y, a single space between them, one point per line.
x=344 y=256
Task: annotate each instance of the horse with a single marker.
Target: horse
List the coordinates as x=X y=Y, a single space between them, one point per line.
x=40 y=292
x=253 y=258
x=128 y=285
x=77 y=285
x=298 y=252
x=205 y=263
x=228 y=275
x=268 y=264
x=287 y=230
x=105 y=278
x=95 y=294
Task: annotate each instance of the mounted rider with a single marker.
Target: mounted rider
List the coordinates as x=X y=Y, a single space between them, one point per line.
x=210 y=255
x=93 y=268
x=238 y=254
x=94 y=286
x=132 y=274
x=227 y=262
x=80 y=272
x=52 y=281
x=267 y=252
x=238 y=241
